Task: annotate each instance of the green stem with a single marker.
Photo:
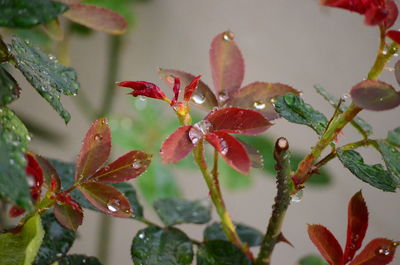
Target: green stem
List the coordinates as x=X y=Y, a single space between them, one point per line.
x=216 y=197
x=282 y=201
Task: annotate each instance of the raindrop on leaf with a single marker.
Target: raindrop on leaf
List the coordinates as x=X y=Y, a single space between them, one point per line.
x=98 y=137
x=136 y=164
x=222 y=97
x=259 y=105
x=199 y=98
x=113 y=205
x=228 y=35
x=383 y=251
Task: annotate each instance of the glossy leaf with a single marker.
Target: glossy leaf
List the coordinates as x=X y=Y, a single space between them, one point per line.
x=57 y=241
x=51 y=177
x=128 y=166
x=218 y=252
x=21 y=248
x=393 y=13
x=375 y=175
x=69 y=216
x=375 y=95
x=14 y=139
x=46 y=74
x=95 y=149
x=379 y=251
x=143 y=88
x=394 y=35
x=227 y=65
x=203 y=97
x=357 y=225
x=10 y=89
x=359 y=124
x=153 y=245
x=106 y=199
x=191 y=88
x=312 y=260
x=97 y=18
x=28 y=13
x=130 y=193
x=259 y=96
x=237 y=120
x=177 y=145
x=247 y=234
x=173 y=211
x=391 y=156
x=293 y=109
x=393 y=137
x=326 y=243
x=78 y=260
x=231 y=150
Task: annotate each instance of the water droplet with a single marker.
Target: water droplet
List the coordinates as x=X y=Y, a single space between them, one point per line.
x=141 y=235
x=106 y=168
x=142 y=98
x=383 y=251
x=259 y=105
x=52 y=57
x=297 y=197
x=113 y=205
x=198 y=98
x=228 y=35
x=59 y=255
x=224 y=146
x=272 y=100
x=395 y=54
x=31 y=181
x=384 y=52
x=28 y=137
x=222 y=97
x=380 y=99
x=98 y=137
x=136 y=164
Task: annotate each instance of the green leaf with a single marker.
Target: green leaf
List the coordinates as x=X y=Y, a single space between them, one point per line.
x=247 y=234
x=312 y=260
x=218 y=252
x=78 y=260
x=391 y=156
x=28 y=13
x=56 y=242
x=375 y=175
x=14 y=139
x=174 y=211
x=293 y=109
x=9 y=88
x=66 y=171
x=394 y=137
x=21 y=248
x=154 y=246
x=46 y=74
x=359 y=124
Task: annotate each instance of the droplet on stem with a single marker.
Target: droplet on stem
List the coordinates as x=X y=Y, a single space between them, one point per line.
x=297 y=197
x=222 y=97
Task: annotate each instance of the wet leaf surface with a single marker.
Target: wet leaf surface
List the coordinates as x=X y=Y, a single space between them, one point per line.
x=173 y=211
x=218 y=252
x=78 y=260
x=394 y=137
x=154 y=245
x=177 y=145
x=379 y=251
x=28 y=13
x=56 y=242
x=50 y=78
x=14 y=139
x=68 y=216
x=391 y=156
x=326 y=243
x=10 y=89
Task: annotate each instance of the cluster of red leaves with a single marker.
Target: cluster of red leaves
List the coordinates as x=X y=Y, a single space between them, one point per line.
x=90 y=177
x=379 y=251
x=383 y=13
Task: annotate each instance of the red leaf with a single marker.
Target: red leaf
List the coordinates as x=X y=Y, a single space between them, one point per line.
x=68 y=216
x=259 y=96
x=375 y=16
x=237 y=120
x=375 y=95
x=227 y=65
x=177 y=146
x=203 y=96
x=231 y=150
x=97 y=18
x=176 y=89
x=16 y=211
x=358 y=6
x=33 y=169
x=256 y=159
x=191 y=88
x=126 y=167
x=95 y=150
x=357 y=225
x=392 y=15
x=143 y=88
x=107 y=199
x=326 y=243
x=394 y=35
x=51 y=178
x=379 y=251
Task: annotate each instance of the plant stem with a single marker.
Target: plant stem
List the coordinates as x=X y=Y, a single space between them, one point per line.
x=282 y=201
x=216 y=197
x=104 y=230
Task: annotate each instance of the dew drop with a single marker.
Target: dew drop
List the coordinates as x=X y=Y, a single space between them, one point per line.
x=98 y=137
x=59 y=255
x=31 y=181
x=141 y=235
x=228 y=35
x=52 y=57
x=136 y=164
x=224 y=147
x=142 y=98
x=106 y=168
x=383 y=251
x=384 y=52
x=198 y=98
x=272 y=100
x=28 y=137
x=297 y=197
x=222 y=97
x=259 y=105
x=113 y=205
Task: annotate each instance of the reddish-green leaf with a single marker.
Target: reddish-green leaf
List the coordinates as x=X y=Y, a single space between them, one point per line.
x=326 y=243
x=357 y=225
x=227 y=65
x=394 y=35
x=237 y=120
x=231 y=150
x=191 y=88
x=126 y=167
x=95 y=150
x=256 y=159
x=375 y=95
x=202 y=97
x=260 y=96
x=51 y=178
x=177 y=145
x=68 y=216
x=106 y=199
x=379 y=251
x=97 y=18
